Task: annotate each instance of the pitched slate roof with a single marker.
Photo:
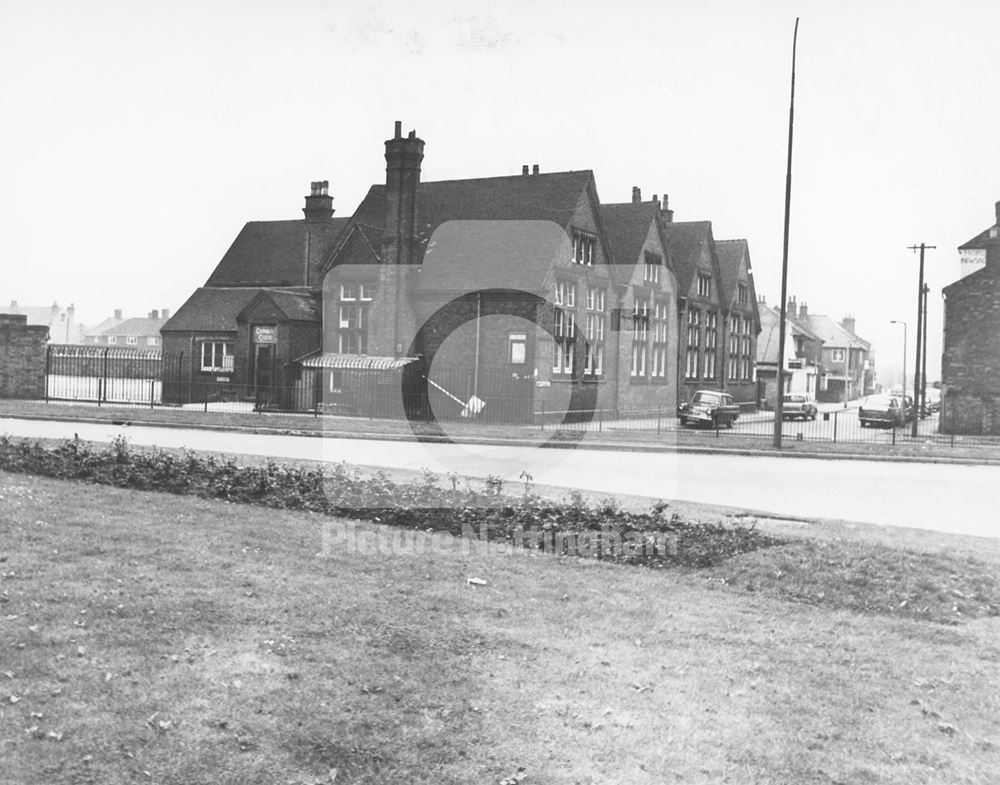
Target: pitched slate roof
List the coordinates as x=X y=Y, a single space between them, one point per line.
x=102 y=327
x=979 y=241
x=799 y=326
x=465 y=256
x=212 y=309
x=295 y=306
x=542 y=197
x=358 y=244
x=686 y=239
x=767 y=341
x=627 y=226
x=731 y=254
x=984 y=276
x=137 y=327
x=274 y=253
x=832 y=333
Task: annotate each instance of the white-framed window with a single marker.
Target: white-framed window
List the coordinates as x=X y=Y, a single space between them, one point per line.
x=594 y=360
x=112 y=340
x=734 y=348
x=651 y=270
x=837 y=355
x=564 y=333
x=352 y=317
x=131 y=340
x=152 y=341
x=640 y=337
x=336 y=381
x=661 y=325
x=704 y=285
x=565 y=294
x=216 y=356
x=693 y=343
x=711 y=341
x=361 y=291
x=595 y=299
x=583 y=248
x=746 y=355
x=517 y=348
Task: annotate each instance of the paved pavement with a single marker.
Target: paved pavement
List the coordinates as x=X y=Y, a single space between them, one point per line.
x=942 y=497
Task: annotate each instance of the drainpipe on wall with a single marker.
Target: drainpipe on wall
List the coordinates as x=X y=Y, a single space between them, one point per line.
x=475 y=373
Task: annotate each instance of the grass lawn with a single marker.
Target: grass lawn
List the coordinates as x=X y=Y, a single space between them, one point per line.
x=155 y=638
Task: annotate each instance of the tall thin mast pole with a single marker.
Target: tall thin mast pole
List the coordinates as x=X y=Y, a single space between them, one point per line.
x=779 y=404
x=920 y=330
x=923 y=359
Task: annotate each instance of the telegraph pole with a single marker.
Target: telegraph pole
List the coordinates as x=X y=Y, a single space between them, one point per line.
x=780 y=374
x=920 y=330
x=923 y=361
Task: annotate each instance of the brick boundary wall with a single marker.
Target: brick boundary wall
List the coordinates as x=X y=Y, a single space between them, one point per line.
x=22 y=357
x=970 y=413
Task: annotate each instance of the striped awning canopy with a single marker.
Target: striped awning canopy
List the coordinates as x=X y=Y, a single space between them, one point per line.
x=355 y=361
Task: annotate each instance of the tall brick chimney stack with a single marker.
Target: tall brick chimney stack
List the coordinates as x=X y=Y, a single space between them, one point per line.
x=665 y=211
x=848 y=323
x=402 y=176
x=790 y=308
x=803 y=311
x=636 y=194
x=319 y=203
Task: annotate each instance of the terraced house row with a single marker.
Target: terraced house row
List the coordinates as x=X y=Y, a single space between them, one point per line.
x=521 y=296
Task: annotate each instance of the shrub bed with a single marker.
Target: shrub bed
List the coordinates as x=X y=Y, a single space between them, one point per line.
x=658 y=538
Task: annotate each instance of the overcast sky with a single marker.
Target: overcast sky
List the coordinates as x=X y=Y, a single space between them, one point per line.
x=139 y=137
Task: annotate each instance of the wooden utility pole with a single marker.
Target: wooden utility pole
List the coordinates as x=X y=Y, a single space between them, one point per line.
x=923 y=360
x=780 y=373
x=920 y=331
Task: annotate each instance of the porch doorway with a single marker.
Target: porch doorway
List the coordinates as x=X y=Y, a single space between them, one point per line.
x=263 y=372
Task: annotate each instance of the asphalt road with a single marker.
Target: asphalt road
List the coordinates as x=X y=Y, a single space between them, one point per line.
x=942 y=497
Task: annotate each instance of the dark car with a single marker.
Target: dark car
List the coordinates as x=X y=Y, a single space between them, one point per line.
x=709 y=407
x=890 y=410
x=798 y=406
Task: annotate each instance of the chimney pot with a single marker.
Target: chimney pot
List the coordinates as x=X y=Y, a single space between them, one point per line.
x=656 y=199
x=118 y=313
x=534 y=168
x=803 y=311
x=166 y=313
x=524 y=169
x=412 y=135
x=398 y=134
x=636 y=194
x=319 y=204
x=997 y=207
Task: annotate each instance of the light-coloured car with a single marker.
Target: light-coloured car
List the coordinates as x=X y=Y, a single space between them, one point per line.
x=798 y=406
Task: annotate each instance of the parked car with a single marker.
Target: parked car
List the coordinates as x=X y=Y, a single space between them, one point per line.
x=709 y=407
x=932 y=401
x=798 y=406
x=889 y=410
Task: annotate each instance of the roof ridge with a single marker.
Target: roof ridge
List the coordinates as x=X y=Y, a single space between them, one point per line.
x=504 y=177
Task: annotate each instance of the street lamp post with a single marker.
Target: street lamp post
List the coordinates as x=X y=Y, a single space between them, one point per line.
x=897 y=321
